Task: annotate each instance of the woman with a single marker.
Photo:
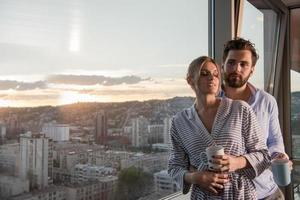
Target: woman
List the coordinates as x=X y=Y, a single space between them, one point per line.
x=216 y=121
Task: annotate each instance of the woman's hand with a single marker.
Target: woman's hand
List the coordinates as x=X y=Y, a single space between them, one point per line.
x=229 y=163
x=210 y=181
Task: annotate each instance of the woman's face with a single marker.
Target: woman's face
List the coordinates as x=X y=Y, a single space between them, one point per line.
x=208 y=82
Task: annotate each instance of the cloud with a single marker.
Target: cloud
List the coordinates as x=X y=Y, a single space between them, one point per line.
x=16 y=85
x=81 y=80
x=93 y=80
x=176 y=87
x=116 y=92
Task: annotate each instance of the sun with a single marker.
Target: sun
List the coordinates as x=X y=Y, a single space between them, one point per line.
x=5 y=103
x=70 y=97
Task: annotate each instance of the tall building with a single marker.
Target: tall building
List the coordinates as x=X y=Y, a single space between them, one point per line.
x=9 y=158
x=167 y=126
x=12 y=126
x=101 y=127
x=34 y=159
x=11 y=185
x=155 y=133
x=57 y=132
x=139 y=132
x=2 y=133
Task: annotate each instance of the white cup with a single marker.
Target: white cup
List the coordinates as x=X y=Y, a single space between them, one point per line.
x=281 y=172
x=208 y=155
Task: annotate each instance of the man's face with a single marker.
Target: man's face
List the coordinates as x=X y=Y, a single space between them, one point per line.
x=238 y=68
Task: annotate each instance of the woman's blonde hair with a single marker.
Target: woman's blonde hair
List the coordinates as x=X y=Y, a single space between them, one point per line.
x=196 y=66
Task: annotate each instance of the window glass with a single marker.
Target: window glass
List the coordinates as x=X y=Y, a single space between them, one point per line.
x=76 y=69
x=295 y=128
x=295 y=95
x=252 y=29
x=55 y=53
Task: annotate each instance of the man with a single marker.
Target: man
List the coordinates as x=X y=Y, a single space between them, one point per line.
x=239 y=59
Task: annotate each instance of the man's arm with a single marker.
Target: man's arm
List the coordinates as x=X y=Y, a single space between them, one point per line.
x=274 y=141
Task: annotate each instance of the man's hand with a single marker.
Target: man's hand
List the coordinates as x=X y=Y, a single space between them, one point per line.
x=229 y=163
x=210 y=181
x=279 y=156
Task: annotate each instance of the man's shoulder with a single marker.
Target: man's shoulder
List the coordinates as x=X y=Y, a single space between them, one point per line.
x=263 y=96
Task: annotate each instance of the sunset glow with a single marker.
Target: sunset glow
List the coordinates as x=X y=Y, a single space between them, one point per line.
x=5 y=103
x=25 y=95
x=74 y=97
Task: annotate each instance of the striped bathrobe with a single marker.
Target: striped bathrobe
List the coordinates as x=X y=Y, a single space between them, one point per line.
x=235 y=128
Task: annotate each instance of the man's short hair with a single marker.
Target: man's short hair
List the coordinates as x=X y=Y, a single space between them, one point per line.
x=240 y=44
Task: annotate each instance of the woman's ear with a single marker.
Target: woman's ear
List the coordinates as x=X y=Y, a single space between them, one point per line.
x=190 y=81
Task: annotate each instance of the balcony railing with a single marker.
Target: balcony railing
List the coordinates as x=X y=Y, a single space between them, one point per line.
x=177 y=196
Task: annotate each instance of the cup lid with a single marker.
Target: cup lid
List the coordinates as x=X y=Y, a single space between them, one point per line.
x=279 y=161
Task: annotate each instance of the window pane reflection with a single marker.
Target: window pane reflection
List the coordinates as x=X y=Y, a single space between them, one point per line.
x=252 y=29
x=295 y=128
x=295 y=95
x=100 y=78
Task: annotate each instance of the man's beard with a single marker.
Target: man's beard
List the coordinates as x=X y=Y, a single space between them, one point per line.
x=234 y=80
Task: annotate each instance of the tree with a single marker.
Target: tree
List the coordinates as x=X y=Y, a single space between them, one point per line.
x=133 y=183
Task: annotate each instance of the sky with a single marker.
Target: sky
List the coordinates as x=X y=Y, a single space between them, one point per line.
x=55 y=52
x=131 y=50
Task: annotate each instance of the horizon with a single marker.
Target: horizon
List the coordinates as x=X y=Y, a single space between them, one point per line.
x=107 y=102
x=61 y=94
x=98 y=102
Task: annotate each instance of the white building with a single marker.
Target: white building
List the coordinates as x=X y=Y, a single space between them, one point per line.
x=34 y=155
x=139 y=131
x=156 y=133
x=108 y=158
x=147 y=162
x=92 y=190
x=164 y=183
x=11 y=185
x=88 y=172
x=9 y=158
x=2 y=133
x=67 y=155
x=57 y=132
x=167 y=126
x=161 y=146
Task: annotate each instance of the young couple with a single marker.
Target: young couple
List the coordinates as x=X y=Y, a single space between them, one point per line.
x=239 y=117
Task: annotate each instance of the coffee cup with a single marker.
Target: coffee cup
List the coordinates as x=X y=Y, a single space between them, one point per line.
x=281 y=171
x=208 y=155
